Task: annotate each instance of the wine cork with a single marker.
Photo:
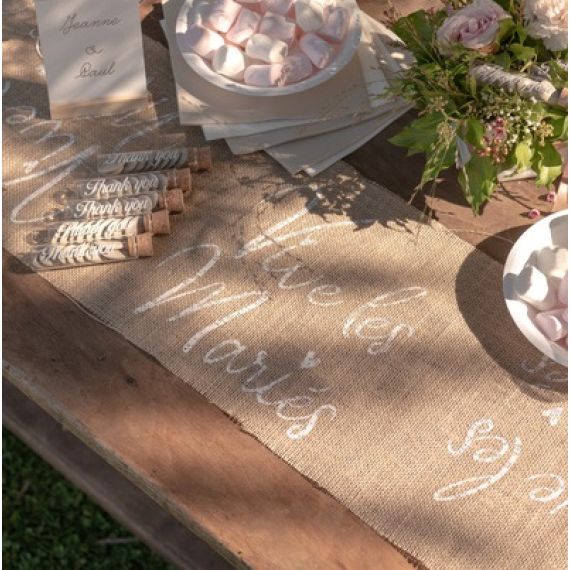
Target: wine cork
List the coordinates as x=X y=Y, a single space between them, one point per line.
x=195 y=158
x=141 y=245
x=160 y=223
x=174 y=201
x=179 y=178
x=200 y=158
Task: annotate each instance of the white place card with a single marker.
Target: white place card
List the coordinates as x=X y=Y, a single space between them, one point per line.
x=93 y=56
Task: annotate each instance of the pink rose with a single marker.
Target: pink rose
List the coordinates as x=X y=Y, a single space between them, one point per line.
x=476 y=27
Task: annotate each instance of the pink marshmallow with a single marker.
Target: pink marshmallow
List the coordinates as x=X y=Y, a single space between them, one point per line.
x=244 y=27
x=309 y=15
x=563 y=290
x=221 y=14
x=278 y=27
x=277 y=6
x=316 y=49
x=202 y=41
x=249 y=2
x=552 y=324
x=296 y=67
x=267 y=49
x=336 y=24
x=264 y=75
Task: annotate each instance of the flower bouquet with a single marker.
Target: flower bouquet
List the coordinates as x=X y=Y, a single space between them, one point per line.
x=490 y=84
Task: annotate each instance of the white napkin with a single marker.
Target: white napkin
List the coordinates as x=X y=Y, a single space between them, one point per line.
x=265 y=140
x=315 y=154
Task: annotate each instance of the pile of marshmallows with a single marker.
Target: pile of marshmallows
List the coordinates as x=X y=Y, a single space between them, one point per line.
x=266 y=43
x=543 y=284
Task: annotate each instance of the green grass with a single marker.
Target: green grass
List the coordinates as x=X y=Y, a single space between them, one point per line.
x=49 y=524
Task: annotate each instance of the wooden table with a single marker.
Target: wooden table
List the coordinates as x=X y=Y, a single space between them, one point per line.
x=228 y=490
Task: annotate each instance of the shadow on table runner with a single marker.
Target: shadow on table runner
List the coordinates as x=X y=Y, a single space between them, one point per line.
x=378 y=361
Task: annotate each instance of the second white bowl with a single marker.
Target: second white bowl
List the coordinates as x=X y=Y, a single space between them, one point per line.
x=552 y=230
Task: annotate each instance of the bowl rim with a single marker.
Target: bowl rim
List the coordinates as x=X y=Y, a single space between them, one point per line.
x=522 y=320
x=343 y=58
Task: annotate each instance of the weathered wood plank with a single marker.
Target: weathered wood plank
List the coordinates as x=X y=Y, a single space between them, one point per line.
x=105 y=485
x=221 y=483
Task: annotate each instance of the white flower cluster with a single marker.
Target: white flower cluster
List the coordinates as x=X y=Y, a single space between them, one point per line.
x=548 y=20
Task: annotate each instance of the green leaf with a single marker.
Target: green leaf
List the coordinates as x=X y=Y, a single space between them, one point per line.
x=503 y=59
x=505 y=4
x=558 y=74
x=521 y=33
x=560 y=126
x=420 y=134
x=417 y=31
x=438 y=158
x=506 y=27
x=523 y=155
x=523 y=53
x=547 y=163
x=478 y=178
x=474 y=132
x=472 y=85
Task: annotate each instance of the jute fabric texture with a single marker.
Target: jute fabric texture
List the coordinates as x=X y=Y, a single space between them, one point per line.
x=375 y=357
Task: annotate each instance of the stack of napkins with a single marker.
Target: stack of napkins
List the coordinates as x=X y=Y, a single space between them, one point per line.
x=307 y=131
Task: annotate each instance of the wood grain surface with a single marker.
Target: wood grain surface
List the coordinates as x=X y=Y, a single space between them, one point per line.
x=184 y=452
x=105 y=485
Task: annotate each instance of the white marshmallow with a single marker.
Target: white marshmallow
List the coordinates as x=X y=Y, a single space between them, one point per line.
x=229 y=61
x=278 y=6
x=246 y=2
x=553 y=261
x=563 y=290
x=264 y=75
x=278 y=27
x=336 y=24
x=221 y=14
x=183 y=23
x=531 y=286
x=202 y=41
x=195 y=15
x=552 y=324
x=309 y=15
x=262 y=47
x=296 y=67
x=244 y=27
x=316 y=49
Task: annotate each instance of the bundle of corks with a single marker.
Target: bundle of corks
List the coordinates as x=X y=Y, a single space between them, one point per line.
x=115 y=216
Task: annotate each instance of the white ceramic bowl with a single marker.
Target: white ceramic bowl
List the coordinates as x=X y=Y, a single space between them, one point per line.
x=345 y=53
x=552 y=230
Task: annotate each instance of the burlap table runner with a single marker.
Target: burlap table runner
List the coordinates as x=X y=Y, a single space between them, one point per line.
x=380 y=363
